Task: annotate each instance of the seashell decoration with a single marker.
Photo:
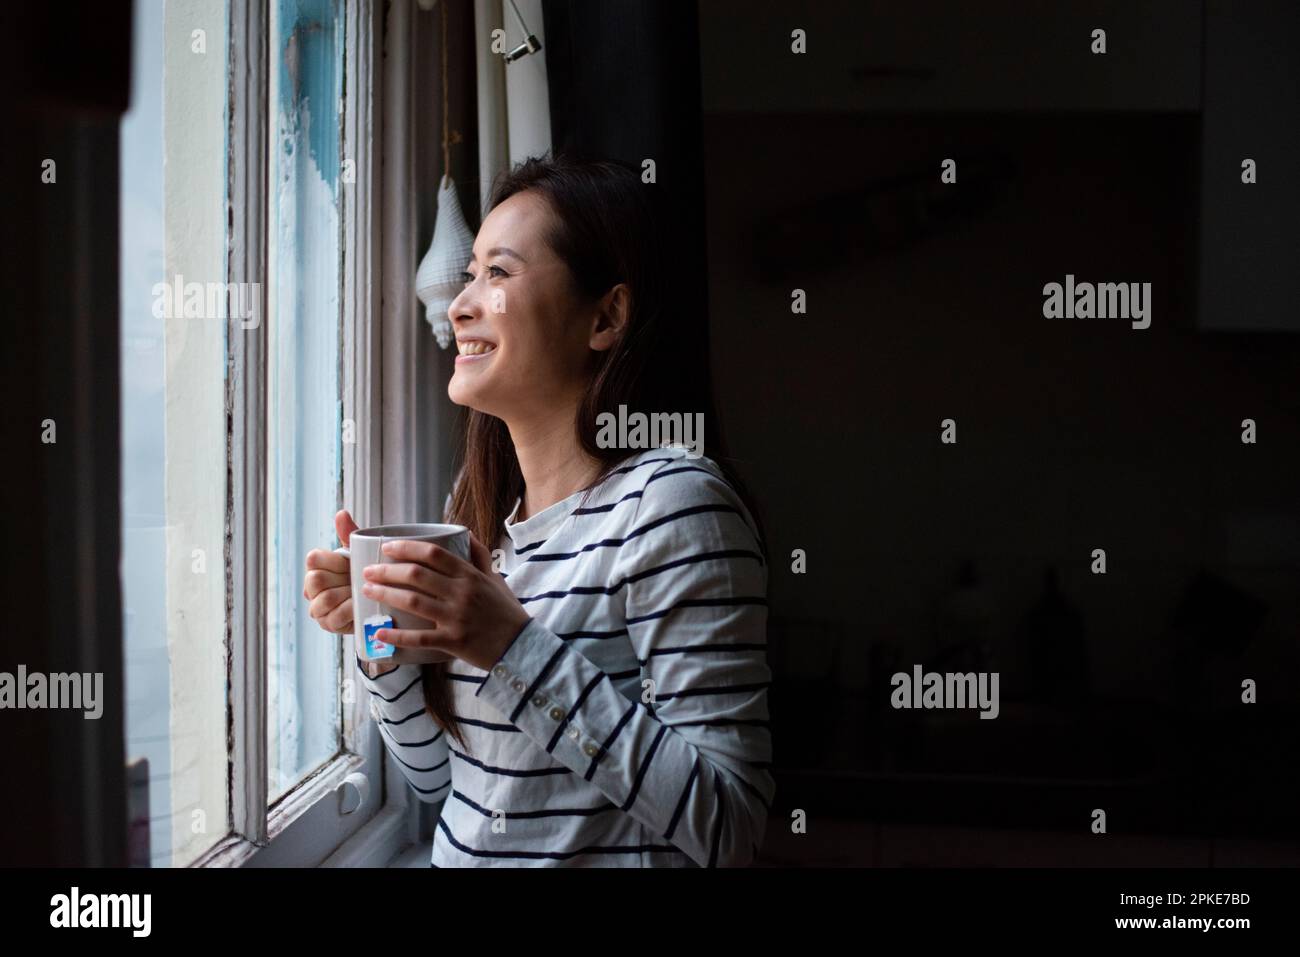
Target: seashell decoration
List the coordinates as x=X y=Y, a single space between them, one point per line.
x=438 y=280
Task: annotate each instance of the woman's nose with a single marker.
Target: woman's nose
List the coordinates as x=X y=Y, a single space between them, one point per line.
x=465 y=306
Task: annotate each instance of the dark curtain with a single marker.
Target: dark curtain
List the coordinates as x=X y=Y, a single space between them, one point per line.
x=624 y=80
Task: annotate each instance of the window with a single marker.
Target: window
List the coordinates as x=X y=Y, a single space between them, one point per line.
x=173 y=423
x=303 y=421
x=239 y=156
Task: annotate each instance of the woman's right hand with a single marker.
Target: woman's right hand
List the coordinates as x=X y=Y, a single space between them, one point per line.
x=328 y=583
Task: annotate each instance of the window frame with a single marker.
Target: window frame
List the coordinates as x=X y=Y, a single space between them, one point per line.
x=307 y=826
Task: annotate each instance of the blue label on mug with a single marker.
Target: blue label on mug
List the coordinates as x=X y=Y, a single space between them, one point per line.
x=374 y=647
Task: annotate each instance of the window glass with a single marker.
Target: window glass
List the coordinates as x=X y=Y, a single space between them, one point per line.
x=303 y=403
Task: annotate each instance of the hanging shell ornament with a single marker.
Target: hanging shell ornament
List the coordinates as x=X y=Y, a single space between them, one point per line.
x=438 y=280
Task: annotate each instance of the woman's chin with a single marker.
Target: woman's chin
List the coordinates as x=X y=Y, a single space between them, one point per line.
x=461 y=394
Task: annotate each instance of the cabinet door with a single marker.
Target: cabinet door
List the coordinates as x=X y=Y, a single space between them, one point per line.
x=1250 y=233
x=950 y=55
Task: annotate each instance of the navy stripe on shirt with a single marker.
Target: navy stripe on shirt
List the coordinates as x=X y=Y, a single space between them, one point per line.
x=557 y=855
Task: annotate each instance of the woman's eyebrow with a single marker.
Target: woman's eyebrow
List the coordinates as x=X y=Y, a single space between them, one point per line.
x=499 y=250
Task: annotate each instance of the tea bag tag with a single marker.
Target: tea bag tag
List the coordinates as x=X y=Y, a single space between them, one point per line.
x=375 y=648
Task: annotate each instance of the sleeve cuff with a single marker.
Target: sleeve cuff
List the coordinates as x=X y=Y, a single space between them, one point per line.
x=539 y=684
x=522 y=649
x=391 y=682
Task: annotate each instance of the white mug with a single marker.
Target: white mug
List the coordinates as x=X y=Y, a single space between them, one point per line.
x=364 y=548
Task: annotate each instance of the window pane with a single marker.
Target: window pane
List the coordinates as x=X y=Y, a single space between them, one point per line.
x=304 y=405
x=173 y=421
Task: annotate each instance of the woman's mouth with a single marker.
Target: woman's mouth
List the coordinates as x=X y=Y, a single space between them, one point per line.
x=473 y=350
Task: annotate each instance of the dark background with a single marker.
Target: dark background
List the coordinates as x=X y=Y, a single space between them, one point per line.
x=68 y=77
x=1119 y=691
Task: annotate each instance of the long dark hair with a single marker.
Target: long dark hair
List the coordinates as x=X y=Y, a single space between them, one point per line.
x=607 y=227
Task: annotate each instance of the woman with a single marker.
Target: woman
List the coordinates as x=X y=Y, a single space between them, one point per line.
x=605 y=702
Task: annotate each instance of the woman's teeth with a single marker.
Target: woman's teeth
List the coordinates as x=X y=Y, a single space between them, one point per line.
x=475 y=348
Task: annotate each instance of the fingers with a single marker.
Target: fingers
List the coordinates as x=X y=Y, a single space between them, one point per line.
x=328 y=600
x=344 y=526
x=479 y=555
x=409 y=575
x=339 y=621
x=325 y=607
x=427 y=554
x=317 y=581
x=319 y=558
x=404 y=599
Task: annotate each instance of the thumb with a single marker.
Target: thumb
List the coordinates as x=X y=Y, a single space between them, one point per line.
x=344 y=525
x=479 y=556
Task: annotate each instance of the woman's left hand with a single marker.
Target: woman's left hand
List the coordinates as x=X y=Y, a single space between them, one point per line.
x=475 y=615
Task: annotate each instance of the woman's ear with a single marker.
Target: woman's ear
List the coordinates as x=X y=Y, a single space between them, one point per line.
x=611 y=318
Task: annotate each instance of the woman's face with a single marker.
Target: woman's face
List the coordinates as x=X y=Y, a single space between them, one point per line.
x=524 y=339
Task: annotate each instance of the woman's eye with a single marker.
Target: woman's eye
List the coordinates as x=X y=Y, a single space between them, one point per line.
x=467 y=277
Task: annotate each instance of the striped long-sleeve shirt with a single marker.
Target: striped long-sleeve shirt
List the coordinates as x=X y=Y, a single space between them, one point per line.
x=627 y=723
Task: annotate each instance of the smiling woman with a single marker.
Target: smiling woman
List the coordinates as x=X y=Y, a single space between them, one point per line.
x=607 y=694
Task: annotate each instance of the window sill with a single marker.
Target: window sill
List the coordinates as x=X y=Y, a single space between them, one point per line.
x=383 y=839
x=299 y=824
x=417 y=855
